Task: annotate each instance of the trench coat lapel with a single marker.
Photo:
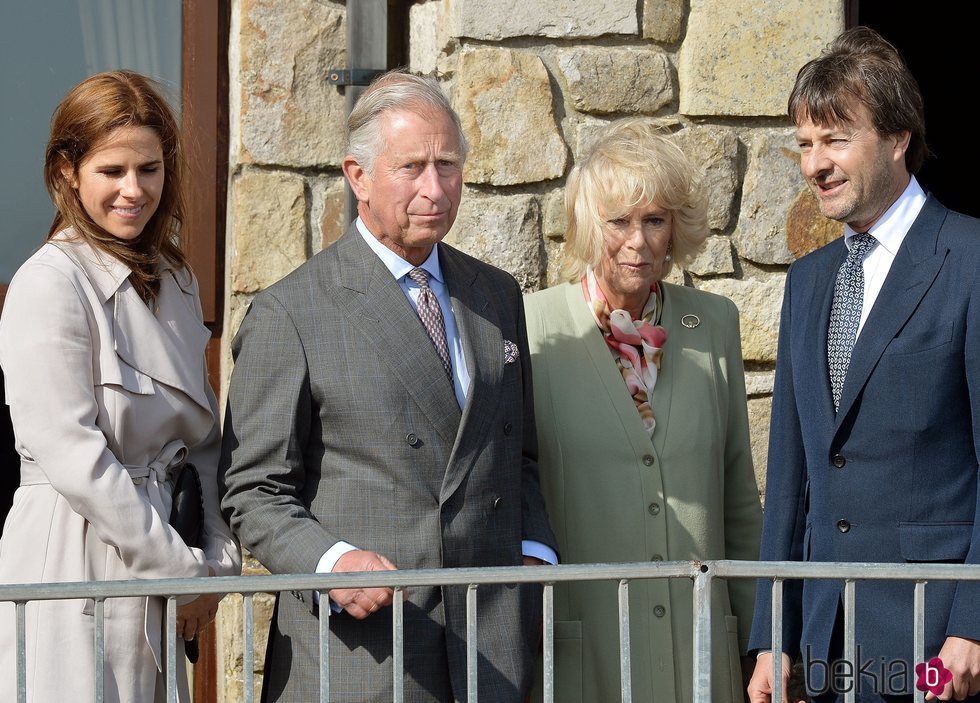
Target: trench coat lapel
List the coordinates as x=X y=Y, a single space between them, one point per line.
x=483 y=346
x=378 y=307
x=146 y=341
x=916 y=266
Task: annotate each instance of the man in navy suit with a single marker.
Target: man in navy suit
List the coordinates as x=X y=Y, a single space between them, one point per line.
x=875 y=434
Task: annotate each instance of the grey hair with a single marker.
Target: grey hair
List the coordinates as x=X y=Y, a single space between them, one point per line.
x=392 y=91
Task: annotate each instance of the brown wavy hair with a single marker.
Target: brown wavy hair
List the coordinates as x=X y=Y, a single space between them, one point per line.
x=860 y=65
x=87 y=116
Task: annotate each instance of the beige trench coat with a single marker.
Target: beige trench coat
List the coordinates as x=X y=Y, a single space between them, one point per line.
x=613 y=495
x=104 y=396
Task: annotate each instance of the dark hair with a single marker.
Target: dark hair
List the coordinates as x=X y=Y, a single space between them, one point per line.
x=861 y=64
x=86 y=117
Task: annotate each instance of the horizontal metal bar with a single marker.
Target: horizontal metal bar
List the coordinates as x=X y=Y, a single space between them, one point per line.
x=490 y=575
x=366 y=579
x=352 y=76
x=843 y=570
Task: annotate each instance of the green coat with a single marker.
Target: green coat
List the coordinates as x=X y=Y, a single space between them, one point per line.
x=615 y=496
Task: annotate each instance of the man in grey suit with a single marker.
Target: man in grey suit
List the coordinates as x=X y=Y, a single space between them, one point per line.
x=380 y=417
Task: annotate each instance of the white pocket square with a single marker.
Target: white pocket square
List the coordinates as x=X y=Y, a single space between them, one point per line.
x=511 y=352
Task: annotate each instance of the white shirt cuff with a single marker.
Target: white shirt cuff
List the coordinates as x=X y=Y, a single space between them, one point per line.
x=326 y=564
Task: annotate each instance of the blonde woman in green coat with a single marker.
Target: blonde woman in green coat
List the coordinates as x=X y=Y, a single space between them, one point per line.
x=639 y=395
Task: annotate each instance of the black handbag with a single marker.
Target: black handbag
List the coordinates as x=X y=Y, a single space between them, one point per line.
x=187 y=518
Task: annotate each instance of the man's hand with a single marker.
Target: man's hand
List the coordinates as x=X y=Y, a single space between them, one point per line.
x=962 y=657
x=361 y=602
x=761 y=684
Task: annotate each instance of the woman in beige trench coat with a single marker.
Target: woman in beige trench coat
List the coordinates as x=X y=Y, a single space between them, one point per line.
x=102 y=349
x=639 y=396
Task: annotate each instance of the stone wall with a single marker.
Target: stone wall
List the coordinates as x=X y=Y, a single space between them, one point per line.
x=533 y=83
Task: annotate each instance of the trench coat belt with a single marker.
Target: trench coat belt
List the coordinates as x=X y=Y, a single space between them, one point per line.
x=158 y=474
x=163 y=468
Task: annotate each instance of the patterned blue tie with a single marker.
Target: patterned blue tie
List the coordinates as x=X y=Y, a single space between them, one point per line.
x=845 y=312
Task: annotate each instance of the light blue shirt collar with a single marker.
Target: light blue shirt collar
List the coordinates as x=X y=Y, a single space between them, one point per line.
x=397 y=265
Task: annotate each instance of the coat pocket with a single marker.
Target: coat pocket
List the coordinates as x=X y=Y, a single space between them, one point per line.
x=734 y=660
x=935 y=541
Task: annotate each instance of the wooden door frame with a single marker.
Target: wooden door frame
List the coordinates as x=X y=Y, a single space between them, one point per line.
x=204 y=109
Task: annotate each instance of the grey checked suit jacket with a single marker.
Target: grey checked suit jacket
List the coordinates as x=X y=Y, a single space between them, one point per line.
x=341 y=425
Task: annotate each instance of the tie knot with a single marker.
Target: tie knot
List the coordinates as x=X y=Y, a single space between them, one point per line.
x=420 y=276
x=861 y=244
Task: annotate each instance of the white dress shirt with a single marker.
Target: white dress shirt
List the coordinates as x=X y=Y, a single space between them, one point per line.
x=889 y=231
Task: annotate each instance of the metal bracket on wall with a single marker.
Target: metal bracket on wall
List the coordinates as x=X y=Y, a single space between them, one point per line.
x=352 y=76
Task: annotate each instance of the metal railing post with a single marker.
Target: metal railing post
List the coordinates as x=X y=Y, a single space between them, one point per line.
x=702 y=635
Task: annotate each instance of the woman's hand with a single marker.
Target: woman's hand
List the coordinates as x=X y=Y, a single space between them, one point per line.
x=194 y=616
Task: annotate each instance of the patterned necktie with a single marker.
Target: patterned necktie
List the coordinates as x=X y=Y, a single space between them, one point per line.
x=431 y=316
x=845 y=312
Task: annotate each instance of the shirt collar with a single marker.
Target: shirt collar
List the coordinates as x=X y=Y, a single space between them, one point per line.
x=396 y=264
x=891 y=228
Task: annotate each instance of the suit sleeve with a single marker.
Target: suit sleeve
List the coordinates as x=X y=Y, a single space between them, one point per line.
x=46 y=349
x=262 y=473
x=743 y=513
x=535 y=525
x=783 y=512
x=964 y=618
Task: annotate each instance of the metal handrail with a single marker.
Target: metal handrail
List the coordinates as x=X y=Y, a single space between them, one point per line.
x=702 y=573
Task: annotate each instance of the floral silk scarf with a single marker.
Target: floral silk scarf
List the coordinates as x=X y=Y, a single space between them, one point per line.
x=637 y=345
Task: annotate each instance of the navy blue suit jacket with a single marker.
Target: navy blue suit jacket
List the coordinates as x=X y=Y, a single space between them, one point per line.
x=892 y=476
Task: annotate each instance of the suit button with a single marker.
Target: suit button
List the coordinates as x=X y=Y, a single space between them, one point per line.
x=657 y=557
x=659 y=611
x=497 y=502
x=412 y=439
x=508 y=427
x=654 y=508
x=648 y=459
x=843 y=525
x=839 y=461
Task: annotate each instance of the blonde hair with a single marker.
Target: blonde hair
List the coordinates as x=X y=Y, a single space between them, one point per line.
x=633 y=163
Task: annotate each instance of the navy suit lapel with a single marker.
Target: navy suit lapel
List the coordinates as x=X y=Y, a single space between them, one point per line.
x=483 y=345
x=814 y=351
x=385 y=316
x=916 y=266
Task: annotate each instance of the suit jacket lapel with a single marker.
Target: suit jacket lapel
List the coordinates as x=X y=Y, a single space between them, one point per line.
x=378 y=307
x=483 y=346
x=663 y=392
x=916 y=266
x=611 y=379
x=814 y=353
